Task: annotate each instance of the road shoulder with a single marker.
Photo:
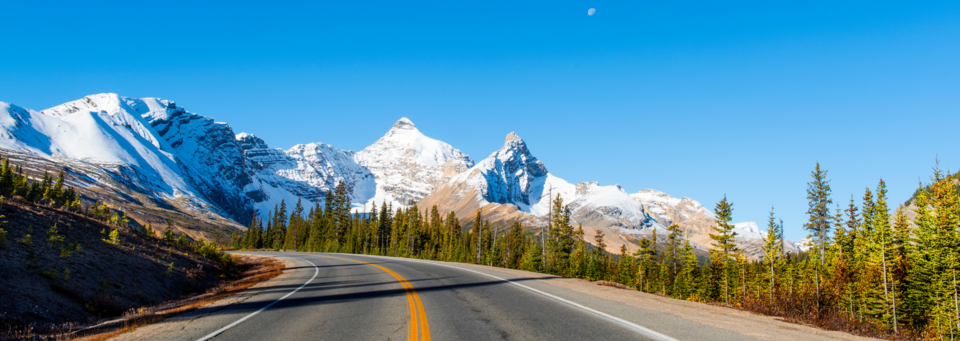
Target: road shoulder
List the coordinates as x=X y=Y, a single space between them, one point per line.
x=183 y=321
x=739 y=321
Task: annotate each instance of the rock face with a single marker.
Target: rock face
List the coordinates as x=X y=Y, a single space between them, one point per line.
x=511 y=177
x=512 y=185
x=408 y=165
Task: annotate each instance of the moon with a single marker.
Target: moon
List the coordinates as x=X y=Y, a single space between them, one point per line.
x=591 y=11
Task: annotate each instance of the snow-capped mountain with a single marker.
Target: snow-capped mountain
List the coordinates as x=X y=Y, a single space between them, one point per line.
x=157 y=160
x=149 y=145
x=401 y=167
x=305 y=172
x=408 y=165
x=512 y=184
x=748 y=230
x=151 y=153
x=750 y=238
x=693 y=218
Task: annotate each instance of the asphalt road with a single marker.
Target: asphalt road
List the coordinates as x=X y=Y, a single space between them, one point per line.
x=354 y=297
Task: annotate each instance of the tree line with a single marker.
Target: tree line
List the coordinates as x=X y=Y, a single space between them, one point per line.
x=868 y=270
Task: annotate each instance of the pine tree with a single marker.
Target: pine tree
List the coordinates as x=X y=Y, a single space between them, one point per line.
x=688 y=271
x=644 y=255
x=674 y=245
x=560 y=243
x=723 y=246
x=624 y=265
x=883 y=234
x=532 y=257
x=578 y=258
x=818 y=196
x=771 y=250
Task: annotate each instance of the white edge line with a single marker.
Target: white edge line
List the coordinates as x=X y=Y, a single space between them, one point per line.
x=613 y=319
x=221 y=330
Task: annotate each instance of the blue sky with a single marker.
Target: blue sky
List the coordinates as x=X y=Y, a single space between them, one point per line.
x=696 y=99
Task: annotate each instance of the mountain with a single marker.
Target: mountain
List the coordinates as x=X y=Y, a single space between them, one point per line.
x=139 y=152
x=408 y=165
x=157 y=160
x=693 y=218
x=305 y=172
x=513 y=185
x=750 y=239
x=399 y=168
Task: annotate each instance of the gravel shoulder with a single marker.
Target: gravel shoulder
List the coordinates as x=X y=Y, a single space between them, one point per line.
x=184 y=322
x=743 y=322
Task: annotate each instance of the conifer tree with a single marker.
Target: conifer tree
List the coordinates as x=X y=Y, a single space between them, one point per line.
x=723 y=246
x=674 y=245
x=644 y=255
x=532 y=257
x=771 y=250
x=818 y=196
x=561 y=238
x=688 y=271
x=625 y=264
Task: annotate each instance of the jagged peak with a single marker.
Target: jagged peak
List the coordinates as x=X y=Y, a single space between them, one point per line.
x=512 y=136
x=405 y=124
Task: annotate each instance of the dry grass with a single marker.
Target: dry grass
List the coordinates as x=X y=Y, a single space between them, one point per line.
x=258 y=269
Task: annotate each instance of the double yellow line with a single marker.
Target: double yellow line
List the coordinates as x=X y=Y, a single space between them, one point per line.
x=413 y=300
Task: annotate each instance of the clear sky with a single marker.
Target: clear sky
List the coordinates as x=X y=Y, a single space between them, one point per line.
x=696 y=99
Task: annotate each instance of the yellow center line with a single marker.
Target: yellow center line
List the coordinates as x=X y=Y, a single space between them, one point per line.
x=412 y=297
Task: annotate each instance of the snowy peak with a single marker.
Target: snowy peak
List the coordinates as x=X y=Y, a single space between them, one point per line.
x=509 y=173
x=404 y=124
x=748 y=230
x=515 y=156
x=408 y=165
x=512 y=136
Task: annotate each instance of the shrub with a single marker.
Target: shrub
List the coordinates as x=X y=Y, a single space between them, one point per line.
x=3 y=237
x=182 y=241
x=66 y=274
x=27 y=240
x=49 y=273
x=65 y=253
x=53 y=237
x=114 y=238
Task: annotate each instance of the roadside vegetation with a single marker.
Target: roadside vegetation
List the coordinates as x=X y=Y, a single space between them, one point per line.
x=868 y=271
x=72 y=268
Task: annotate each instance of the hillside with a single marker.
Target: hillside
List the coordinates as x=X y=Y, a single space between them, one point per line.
x=65 y=271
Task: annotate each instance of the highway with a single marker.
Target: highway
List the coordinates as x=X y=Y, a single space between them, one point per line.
x=356 y=297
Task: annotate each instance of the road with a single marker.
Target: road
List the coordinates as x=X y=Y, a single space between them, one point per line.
x=355 y=297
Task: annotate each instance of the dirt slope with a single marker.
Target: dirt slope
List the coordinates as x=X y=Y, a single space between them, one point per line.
x=104 y=279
